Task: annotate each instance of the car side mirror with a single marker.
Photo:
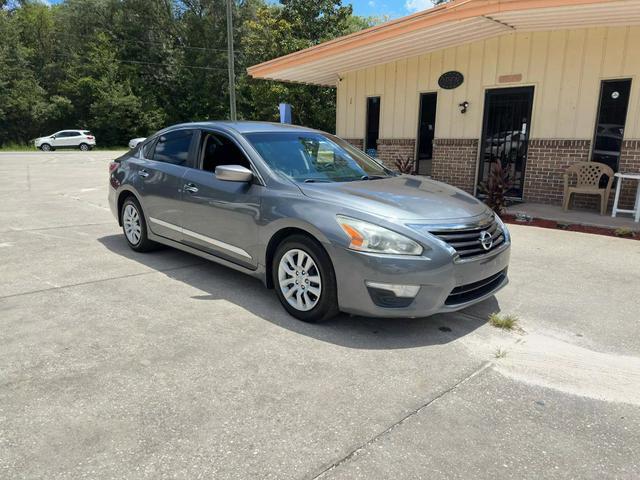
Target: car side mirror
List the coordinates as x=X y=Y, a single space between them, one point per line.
x=233 y=173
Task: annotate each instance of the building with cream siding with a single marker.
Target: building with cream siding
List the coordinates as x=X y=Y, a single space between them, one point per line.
x=536 y=85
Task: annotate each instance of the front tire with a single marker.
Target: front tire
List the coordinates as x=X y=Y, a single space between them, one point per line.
x=304 y=280
x=134 y=226
x=45 y=147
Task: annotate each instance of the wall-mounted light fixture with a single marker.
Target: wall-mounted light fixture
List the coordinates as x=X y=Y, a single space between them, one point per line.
x=463 y=106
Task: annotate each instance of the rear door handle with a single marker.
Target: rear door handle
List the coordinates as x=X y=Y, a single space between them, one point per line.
x=143 y=173
x=191 y=188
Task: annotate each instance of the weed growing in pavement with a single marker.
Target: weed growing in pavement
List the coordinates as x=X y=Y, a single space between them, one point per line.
x=500 y=353
x=505 y=322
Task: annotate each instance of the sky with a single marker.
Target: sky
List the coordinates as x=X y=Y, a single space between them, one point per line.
x=373 y=8
x=390 y=8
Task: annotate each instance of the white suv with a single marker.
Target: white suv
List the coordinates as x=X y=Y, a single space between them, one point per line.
x=82 y=139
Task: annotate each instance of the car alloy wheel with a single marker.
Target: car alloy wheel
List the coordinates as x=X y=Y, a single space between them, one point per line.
x=45 y=147
x=299 y=280
x=132 y=225
x=84 y=147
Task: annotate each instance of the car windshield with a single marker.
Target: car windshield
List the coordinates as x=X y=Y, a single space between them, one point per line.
x=314 y=157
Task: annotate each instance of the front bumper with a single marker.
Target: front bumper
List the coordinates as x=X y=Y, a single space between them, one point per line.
x=445 y=285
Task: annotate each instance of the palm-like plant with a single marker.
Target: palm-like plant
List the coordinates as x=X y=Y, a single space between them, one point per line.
x=406 y=165
x=496 y=187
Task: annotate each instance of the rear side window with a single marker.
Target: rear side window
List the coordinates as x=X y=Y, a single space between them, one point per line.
x=173 y=147
x=72 y=134
x=147 y=150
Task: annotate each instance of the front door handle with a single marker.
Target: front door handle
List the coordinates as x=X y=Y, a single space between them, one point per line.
x=191 y=188
x=143 y=173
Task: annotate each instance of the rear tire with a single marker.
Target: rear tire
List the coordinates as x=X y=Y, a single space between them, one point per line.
x=45 y=147
x=84 y=147
x=304 y=280
x=134 y=226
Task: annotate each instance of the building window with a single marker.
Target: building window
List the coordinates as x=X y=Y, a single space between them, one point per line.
x=612 y=115
x=373 y=126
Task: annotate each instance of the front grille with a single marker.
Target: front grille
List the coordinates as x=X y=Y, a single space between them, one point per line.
x=471 y=291
x=467 y=241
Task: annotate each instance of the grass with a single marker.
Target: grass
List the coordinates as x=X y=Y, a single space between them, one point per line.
x=18 y=147
x=500 y=353
x=505 y=322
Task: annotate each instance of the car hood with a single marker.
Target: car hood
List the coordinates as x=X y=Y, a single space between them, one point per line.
x=404 y=197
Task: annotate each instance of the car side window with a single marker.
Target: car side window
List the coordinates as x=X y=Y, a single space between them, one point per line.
x=173 y=147
x=217 y=149
x=147 y=150
x=62 y=134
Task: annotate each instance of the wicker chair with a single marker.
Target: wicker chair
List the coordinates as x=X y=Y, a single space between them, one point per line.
x=588 y=182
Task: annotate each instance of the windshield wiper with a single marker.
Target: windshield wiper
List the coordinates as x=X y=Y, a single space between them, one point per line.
x=314 y=180
x=372 y=177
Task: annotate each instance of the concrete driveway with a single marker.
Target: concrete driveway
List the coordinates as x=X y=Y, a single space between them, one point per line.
x=122 y=365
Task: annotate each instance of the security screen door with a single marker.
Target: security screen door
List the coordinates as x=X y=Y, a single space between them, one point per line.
x=505 y=135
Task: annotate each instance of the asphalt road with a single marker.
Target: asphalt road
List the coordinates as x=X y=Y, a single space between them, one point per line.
x=122 y=365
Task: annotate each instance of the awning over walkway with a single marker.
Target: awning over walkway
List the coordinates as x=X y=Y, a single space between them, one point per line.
x=452 y=24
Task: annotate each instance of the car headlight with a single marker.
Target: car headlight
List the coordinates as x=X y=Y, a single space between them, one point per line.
x=367 y=237
x=503 y=227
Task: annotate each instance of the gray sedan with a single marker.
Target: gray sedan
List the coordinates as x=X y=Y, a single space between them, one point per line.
x=326 y=226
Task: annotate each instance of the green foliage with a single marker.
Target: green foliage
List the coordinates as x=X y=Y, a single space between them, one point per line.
x=497 y=187
x=277 y=30
x=504 y=322
x=127 y=68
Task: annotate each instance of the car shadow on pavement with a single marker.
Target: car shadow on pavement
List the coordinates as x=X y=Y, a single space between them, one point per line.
x=219 y=282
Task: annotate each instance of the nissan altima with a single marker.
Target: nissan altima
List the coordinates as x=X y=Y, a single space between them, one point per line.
x=327 y=227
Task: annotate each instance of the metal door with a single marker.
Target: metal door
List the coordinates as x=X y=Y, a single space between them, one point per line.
x=426 y=132
x=505 y=135
x=612 y=116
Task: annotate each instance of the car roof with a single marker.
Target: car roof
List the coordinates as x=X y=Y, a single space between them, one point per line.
x=246 y=126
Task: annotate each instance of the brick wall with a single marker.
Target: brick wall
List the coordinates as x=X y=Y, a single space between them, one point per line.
x=390 y=149
x=547 y=160
x=454 y=161
x=356 y=142
x=629 y=163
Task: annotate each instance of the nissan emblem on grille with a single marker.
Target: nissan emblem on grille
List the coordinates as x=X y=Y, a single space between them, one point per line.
x=485 y=240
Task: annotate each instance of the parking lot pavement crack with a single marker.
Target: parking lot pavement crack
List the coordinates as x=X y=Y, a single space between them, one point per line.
x=537 y=357
x=86 y=202
x=354 y=452
x=40 y=229
x=91 y=282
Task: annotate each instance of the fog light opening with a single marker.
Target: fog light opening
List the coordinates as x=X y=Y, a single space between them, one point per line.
x=404 y=291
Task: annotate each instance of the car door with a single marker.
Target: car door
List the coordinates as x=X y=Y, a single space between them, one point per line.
x=60 y=139
x=221 y=217
x=72 y=139
x=158 y=173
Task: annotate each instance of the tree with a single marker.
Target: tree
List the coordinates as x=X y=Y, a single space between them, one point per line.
x=125 y=68
x=279 y=30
